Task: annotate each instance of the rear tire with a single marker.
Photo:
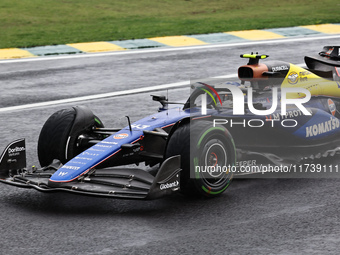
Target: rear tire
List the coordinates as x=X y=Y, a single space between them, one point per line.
x=59 y=135
x=208 y=147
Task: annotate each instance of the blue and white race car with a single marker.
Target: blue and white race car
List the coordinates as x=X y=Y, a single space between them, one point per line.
x=181 y=147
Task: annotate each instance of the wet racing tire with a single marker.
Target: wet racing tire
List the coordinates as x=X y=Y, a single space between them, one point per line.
x=59 y=135
x=206 y=153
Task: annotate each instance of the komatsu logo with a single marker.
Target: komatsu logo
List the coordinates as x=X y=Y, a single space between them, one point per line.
x=169 y=185
x=323 y=127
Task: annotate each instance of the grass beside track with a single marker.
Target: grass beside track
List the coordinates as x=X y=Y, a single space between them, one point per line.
x=28 y=23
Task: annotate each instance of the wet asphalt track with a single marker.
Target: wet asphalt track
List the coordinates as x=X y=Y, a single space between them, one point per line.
x=254 y=216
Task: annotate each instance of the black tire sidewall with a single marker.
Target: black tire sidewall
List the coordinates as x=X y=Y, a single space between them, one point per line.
x=54 y=135
x=184 y=139
x=55 y=139
x=201 y=138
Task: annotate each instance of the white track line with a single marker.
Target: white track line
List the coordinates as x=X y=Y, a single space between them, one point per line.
x=157 y=50
x=105 y=95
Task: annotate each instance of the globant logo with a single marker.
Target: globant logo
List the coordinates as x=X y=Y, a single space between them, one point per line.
x=169 y=185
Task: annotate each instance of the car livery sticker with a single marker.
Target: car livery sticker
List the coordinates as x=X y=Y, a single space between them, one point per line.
x=320 y=125
x=121 y=136
x=293 y=77
x=331 y=106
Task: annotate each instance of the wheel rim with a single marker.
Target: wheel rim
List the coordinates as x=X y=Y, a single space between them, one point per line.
x=215 y=159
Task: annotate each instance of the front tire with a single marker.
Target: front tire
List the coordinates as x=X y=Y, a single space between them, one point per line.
x=59 y=135
x=206 y=153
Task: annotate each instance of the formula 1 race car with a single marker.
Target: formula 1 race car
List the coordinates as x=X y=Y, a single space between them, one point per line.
x=184 y=145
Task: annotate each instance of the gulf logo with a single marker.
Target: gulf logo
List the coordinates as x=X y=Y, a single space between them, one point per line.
x=121 y=136
x=331 y=106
